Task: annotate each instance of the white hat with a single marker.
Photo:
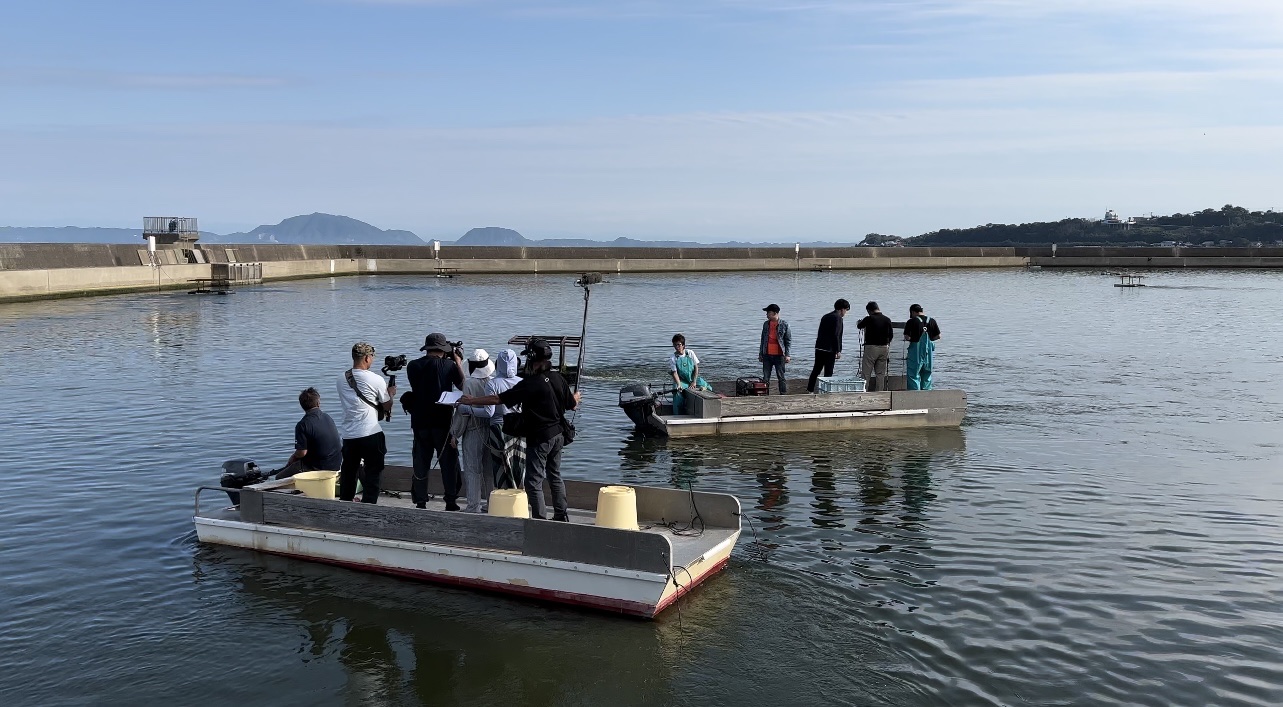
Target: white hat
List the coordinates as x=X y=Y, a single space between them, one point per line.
x=479 y=355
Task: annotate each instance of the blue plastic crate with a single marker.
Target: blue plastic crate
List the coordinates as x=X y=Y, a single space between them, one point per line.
x=841 y=384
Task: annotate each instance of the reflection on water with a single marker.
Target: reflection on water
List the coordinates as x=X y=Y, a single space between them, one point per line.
x=1105 y=529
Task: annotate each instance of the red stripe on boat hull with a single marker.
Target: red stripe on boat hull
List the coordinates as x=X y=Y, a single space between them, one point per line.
x=617 y=606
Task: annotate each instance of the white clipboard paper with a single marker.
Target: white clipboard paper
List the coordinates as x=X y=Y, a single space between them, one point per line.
x=450 y=397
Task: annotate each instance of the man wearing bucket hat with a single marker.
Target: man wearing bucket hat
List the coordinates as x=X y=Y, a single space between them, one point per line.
x=544 y=397
x=438 y=371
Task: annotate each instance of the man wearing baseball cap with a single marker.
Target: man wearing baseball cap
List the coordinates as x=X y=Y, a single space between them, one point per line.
x=774 y=349
x=366 y=399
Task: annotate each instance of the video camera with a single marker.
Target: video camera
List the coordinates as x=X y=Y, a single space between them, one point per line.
x=458 y=349
x=392 y=363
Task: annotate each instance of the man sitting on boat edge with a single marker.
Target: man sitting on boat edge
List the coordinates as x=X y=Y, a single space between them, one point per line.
x=317 y=445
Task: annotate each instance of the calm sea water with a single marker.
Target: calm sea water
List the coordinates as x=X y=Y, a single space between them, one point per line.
x=1104 y=529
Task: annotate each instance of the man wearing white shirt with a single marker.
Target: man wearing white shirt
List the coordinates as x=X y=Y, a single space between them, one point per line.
x=366 y=398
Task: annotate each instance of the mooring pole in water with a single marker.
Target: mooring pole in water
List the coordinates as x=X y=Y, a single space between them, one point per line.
x=586 y=281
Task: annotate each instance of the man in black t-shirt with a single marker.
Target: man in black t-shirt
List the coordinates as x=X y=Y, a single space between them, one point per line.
x=544 y=397
x=317 y=444
x=877 y=346
x=436 y=372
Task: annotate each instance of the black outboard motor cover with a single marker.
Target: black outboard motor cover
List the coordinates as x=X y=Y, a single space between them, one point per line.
x=637 y=402
x=239 y=473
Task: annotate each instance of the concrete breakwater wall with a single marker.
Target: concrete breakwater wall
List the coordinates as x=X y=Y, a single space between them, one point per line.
x=1155 y=258
x=45 y=270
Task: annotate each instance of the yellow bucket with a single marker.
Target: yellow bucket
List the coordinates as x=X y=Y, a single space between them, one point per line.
x=316 y=484
x=510 y=503
x=617 y=507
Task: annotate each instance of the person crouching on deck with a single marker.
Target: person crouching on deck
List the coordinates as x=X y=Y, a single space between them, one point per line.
x=683 y=366
x=774 y=349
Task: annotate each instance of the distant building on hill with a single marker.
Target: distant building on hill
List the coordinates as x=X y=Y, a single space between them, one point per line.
x=1112 y=219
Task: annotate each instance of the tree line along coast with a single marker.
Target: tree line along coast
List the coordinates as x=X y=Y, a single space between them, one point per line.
x=1229 y=226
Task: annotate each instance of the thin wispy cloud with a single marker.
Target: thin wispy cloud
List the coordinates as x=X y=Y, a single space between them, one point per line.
x=93 y=78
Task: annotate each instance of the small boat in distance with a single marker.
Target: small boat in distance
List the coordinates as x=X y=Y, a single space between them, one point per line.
x=681 y=538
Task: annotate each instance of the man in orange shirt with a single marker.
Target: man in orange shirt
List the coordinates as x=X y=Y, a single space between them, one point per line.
x=774 y=350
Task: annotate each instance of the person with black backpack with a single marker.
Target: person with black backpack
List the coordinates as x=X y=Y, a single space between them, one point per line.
x=544 y=397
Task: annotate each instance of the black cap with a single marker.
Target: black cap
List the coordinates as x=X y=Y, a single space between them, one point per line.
x=915 y=308
x=436 y=342
x=871 y=307
x=841 y=304
x=771 y=308
x=538 y=350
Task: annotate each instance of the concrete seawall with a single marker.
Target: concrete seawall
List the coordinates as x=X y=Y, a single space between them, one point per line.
x=48 y=270
x=31 y=271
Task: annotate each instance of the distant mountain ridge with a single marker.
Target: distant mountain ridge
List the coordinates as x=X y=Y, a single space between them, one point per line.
x=317 y=229
x=1228 y=225
x=312 y=229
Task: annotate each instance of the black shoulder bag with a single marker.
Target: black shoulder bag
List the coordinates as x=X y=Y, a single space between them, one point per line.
x=567 y=427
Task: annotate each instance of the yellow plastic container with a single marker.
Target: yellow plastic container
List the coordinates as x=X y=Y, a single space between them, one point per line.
x=316 y=484
x=510 y=503
x=617 y=507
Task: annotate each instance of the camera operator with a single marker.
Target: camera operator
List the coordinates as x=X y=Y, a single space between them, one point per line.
x=366 y=399
x=544 y=396
x=439 y=370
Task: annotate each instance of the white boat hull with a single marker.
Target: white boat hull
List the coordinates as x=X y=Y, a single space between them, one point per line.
x=617 y=590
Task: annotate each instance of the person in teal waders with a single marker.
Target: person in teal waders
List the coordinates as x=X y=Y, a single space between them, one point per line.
x=683 y=366
x=921 y=332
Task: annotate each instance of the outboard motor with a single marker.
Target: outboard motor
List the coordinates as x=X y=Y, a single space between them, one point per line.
x=638 y=403
x=239 y=473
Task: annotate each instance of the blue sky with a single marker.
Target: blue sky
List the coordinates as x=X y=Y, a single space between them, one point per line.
x=735 y=119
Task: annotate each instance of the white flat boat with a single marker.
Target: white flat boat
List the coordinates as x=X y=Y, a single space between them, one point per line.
x=683 y=538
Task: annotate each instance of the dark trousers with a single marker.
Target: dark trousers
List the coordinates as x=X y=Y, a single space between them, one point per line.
x=429 y=441
x=770 y=362
x=370 y=450
x=824 y=360
x=543 y=460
